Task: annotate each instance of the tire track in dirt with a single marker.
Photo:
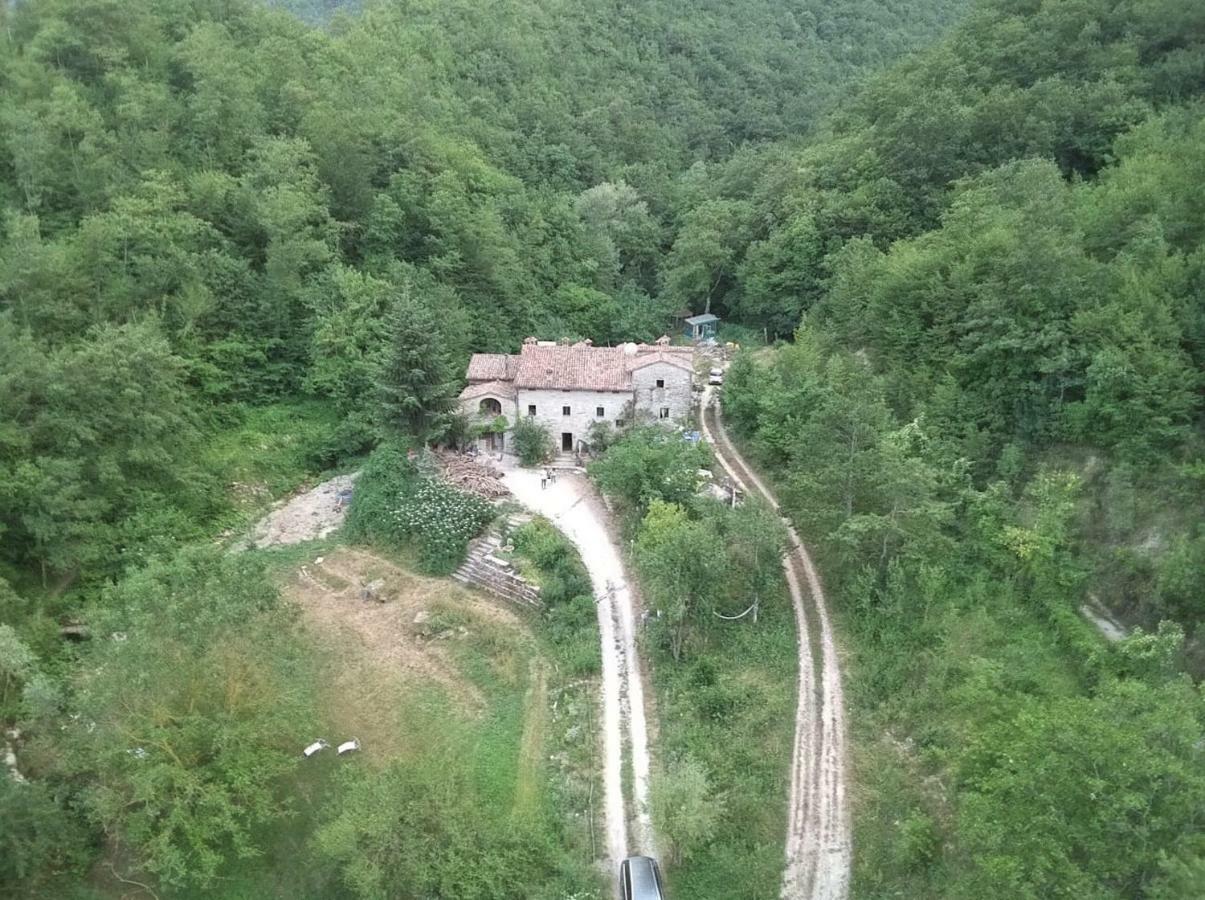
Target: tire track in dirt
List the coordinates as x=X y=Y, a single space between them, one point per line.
x=819 y=848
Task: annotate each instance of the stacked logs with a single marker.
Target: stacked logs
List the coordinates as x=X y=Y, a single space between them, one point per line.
x=471 y=475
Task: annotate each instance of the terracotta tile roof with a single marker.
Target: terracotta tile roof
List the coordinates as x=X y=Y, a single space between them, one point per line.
x=580 y=367
x=489 y=388
x=648 y=356
x=492 y=367
x=574 y=368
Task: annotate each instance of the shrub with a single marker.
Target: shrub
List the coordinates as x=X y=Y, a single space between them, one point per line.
x=562 y=575
x=387 y=475
x=532 y=442
x=684 y=807
x=571 y=629
x=650 y=464
x=441 y=521
x=394 y=504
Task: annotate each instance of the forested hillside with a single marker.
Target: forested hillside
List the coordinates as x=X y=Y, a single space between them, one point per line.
x=217 y=221
x=242 y=197
x=991 y=416
x=982 y=267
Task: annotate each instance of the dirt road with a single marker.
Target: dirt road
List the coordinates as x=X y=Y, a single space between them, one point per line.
x=571 y=504
x=819 y=848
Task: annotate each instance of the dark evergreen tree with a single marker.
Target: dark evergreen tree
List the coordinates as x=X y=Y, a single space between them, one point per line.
x=415 y=381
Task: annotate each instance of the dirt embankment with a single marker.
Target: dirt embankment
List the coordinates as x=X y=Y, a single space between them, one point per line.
x=307 y=516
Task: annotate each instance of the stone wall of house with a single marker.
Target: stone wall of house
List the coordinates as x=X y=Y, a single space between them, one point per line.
x=472 y=408
x=583 y=408
x=675 y=396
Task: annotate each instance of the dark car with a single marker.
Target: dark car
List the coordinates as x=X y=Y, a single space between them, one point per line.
x=640 y=879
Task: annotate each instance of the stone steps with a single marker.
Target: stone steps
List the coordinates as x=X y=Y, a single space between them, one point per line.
x=484 y=569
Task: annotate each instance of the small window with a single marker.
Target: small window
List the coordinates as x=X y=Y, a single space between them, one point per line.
x=564 y=410
x=531 y=409
x=665 y=412
x=599 y=412
x=660 y=382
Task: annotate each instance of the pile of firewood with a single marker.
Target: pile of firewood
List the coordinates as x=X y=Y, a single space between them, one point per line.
x=471 y=475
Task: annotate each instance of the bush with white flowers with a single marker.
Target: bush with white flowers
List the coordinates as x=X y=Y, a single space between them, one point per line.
x=441 y=521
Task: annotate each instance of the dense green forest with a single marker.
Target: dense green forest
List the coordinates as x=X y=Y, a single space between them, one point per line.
x=243 y=198
x=984 y=264
x=990 y=415
x=222 y=227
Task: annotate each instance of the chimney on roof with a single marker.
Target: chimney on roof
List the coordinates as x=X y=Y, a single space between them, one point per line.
x=589 y=342
x=663 y=341
x=529 y=341
x=630 y=349
x=564 y=342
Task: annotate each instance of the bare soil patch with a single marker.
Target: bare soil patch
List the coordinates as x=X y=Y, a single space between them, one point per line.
x=307 y=516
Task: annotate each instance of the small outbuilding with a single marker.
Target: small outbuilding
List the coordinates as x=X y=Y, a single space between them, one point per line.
x=700 y=328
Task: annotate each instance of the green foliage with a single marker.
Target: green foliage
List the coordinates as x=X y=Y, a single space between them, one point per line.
x=404 y=828
x=414 y=377
x=17 y=665
x=532 y=441
x=569 y=620
x=428 y=826
x=93 y=432
x=186 y=711
x=995 y=249
x=684 y=809
x=278 y=446
x=41 y=844
x=441 y=520
x=682 y=567
x=571 y=628
x=960 y=604
x=396 y=505
x=724 y=689
x=1052 y=795
x=1180 y=579
x=561 y=574
x=387 y=474
x=650 y=464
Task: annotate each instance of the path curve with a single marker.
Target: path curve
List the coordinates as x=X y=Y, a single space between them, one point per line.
x=819 y=847
x=572 y=505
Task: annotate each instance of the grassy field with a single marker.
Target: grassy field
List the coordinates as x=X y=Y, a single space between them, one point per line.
x=437 y=678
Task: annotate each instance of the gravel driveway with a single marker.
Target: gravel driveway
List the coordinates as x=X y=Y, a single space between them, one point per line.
x=572 y=505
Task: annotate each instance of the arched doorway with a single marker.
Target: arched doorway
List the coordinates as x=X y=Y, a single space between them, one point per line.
x=490 y=408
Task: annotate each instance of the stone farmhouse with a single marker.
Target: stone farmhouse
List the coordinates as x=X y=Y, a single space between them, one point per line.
x=570 y=387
